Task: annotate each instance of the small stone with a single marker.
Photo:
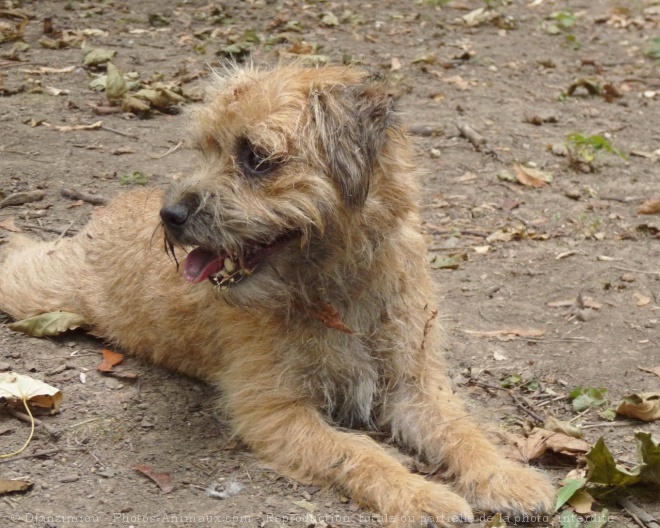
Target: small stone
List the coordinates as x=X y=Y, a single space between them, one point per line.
x=435 y=153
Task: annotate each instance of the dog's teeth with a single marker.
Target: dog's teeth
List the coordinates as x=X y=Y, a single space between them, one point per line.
x=224 y=273
x=229 y=264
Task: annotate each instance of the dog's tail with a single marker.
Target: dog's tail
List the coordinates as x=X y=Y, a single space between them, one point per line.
x=38 y=277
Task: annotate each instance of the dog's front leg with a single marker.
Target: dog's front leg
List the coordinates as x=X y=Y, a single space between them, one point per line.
x=426 y=415
x=294 y=439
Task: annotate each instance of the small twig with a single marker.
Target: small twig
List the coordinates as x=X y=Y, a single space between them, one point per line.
x=75 y=194
x=449 y=231
x=637 y=271
x=84 y=422
x=635 y=511
x=523 y=406
x=49 y=229
x=560 y=340
x=625 y=199
x=64 y=231
x=558 y=398
x=170 y=151
x=606 y=424
x=483 y=385
x=47 y=452
x=580 y=415
x=119 y=132
x=25 y=418
x=471 y=135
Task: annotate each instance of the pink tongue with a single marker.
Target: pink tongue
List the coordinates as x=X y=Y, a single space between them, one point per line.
x=200 y=264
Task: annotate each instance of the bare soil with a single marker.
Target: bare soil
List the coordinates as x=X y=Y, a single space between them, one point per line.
x=516 y=247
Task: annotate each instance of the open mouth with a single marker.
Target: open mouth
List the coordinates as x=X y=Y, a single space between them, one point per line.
x=226 y=269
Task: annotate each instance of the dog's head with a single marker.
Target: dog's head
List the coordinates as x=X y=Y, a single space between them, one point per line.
x=292 y=160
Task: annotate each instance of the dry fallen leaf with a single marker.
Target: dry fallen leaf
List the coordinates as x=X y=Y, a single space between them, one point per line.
x=9 y=225
x=581 y=502
x=457 y=81
x=644 y=406
x=395 y=64
x=652 y=370
x=49 y=324
x=532 y=177
x=642 y=300
x=560 y=426
x=651 y=206
x=11 y=486
x=566 y=445
x=162 y=479
x=17 y=387
x=110 y=359
x=541 y=440
x=498 y=356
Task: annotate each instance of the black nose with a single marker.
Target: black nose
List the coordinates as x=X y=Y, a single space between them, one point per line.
x=174 y=215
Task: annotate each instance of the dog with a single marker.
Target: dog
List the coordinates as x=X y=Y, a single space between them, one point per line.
x=294 y=277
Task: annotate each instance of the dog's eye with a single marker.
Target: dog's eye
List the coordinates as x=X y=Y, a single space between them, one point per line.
x=255 y=161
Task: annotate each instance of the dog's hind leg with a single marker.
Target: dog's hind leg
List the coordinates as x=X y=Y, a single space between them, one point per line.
x=38 y=277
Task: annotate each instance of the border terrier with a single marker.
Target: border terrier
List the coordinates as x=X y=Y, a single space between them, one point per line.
x=303 y=293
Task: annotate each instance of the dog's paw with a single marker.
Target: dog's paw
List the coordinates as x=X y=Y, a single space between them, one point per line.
x=510 y=489
x=427 y=504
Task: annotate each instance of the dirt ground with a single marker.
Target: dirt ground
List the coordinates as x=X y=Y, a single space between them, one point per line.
x=523 y=75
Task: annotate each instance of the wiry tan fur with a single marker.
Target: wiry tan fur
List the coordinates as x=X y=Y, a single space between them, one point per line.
x=344 y=181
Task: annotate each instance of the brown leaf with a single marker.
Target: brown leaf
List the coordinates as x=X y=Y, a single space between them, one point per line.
x=11 y=486
x=531 y=177
x=566 y=445
x=652 y=370
x=9 y=225
x=651 y=206
x=642 y=300
x=162 y=479
x=110 y=359
x=457 y=81
x=542 y=440
x=644 y=406
x=581 y=502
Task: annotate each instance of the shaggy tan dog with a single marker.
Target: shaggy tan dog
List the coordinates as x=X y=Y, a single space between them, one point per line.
x=303 y=293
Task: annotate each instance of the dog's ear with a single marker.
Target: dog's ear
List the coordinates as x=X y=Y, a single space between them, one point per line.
x=351 y=128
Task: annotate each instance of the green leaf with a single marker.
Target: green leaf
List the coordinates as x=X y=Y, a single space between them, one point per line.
x=648 y=452
x=49 y=324
x=608 y=414
x=589 y=397
x=450 y=262
x=568 y=519
x=603 y=469
x=654 y=50
x=511 y=381
x=568 y=490
x=599 y=520
x=135 y=178
x=115 y=84
x=97 y=56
